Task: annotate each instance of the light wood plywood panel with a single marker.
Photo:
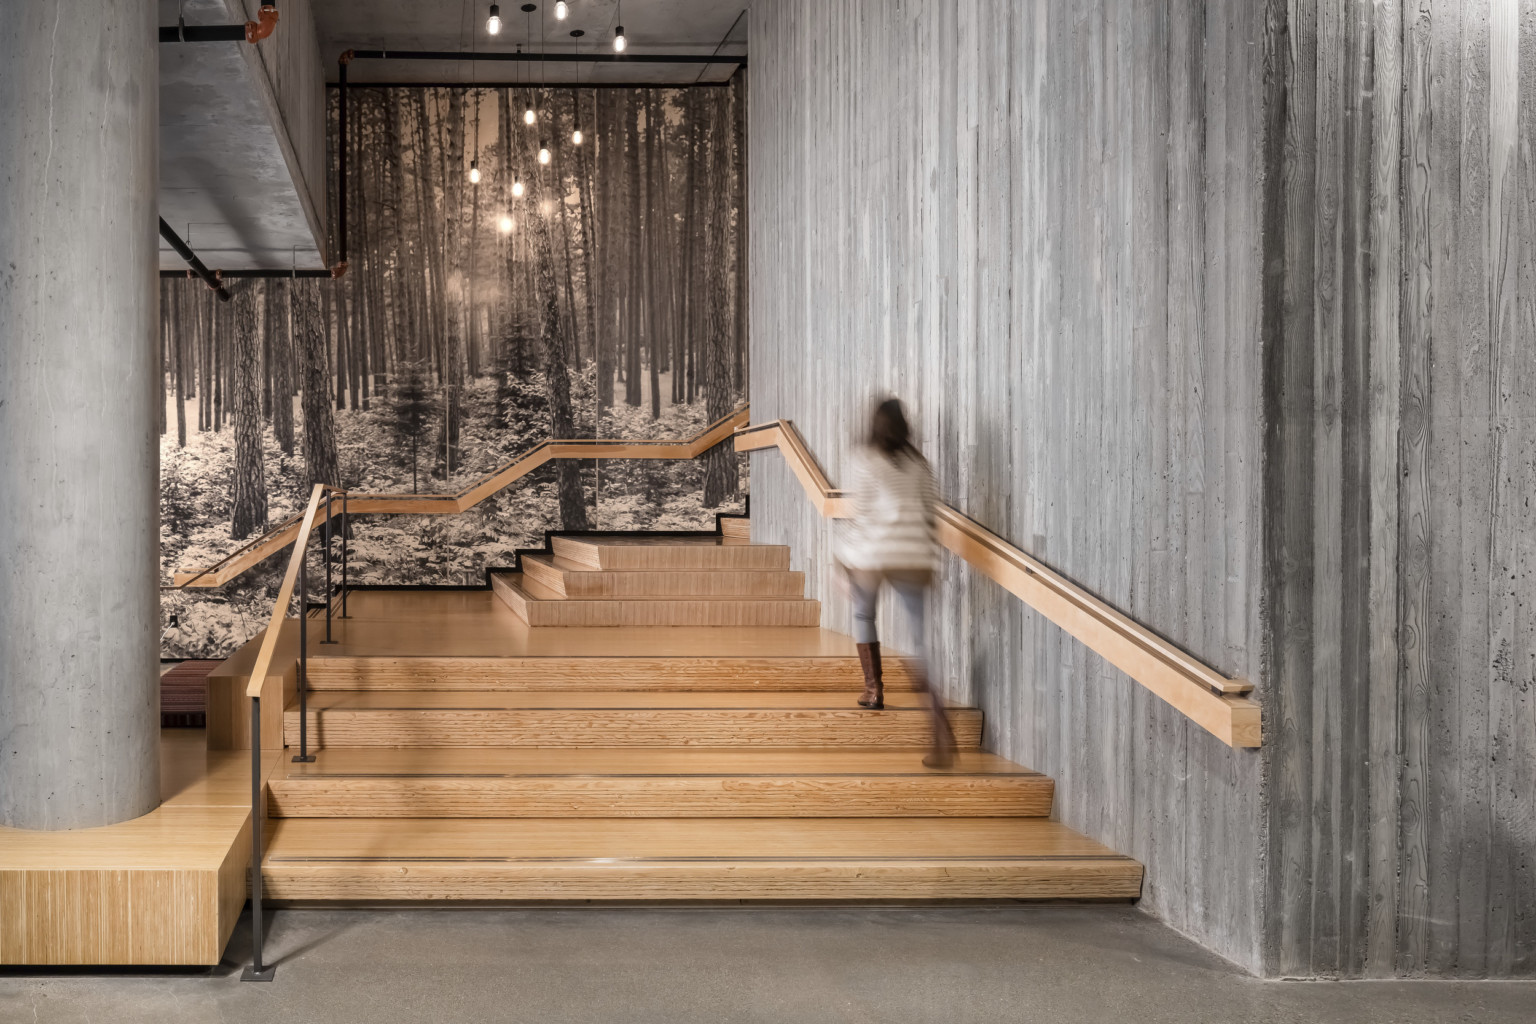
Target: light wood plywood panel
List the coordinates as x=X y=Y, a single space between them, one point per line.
x=737 y=527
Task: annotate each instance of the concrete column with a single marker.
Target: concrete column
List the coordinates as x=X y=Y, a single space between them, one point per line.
x=79 y=460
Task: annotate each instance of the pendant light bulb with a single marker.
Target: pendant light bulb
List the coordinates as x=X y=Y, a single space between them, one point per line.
x=474 y=172
x=576 y=136
x=561 y=10
x=517 y=187
x=543 y=152
x=529 y=116
x=505 y=224
x=493 y=23
x=619 y=42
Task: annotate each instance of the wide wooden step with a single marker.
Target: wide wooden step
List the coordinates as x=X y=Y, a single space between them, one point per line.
x=800 y=673
x=689 y=858
x=645 y=783
x=569 y=579
x=645 y=551
x=539 y=606
x=736 y=527
x=436 y=718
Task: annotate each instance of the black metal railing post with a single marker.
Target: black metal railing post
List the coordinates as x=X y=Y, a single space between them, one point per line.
x=346 y=526
x=257 y=971
x=304 y=755
x=329 y=497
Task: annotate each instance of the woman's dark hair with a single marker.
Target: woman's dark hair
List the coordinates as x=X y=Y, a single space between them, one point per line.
x=888 y=430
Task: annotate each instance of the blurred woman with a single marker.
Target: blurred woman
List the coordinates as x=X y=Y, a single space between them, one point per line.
x=889 y=540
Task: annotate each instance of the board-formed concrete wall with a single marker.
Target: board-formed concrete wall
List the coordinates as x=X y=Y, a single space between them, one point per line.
x=1038 y=224
x=1221 y=310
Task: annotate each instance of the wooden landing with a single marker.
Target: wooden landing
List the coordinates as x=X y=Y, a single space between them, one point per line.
x=691 y=859
x=165 y=888
x=641 y=551
x=573 y=579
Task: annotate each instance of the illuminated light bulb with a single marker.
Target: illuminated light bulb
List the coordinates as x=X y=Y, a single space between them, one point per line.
x=474 y=172
x=543 y=152
x=493 y=23
x=505 y=224
x=529 y=116
x=561 y=10
x=576 y=136
x=517 y=188
x=619 y=42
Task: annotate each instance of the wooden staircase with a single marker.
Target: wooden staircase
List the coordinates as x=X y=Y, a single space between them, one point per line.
x=723 y=759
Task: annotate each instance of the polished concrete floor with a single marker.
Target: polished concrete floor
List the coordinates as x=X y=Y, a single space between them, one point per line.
x=953 y=964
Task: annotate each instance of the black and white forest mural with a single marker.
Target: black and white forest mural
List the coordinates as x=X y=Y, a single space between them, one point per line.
x=606 y=300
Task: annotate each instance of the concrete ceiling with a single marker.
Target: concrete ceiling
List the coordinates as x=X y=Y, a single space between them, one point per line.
x=225 y=185
x=703 y=27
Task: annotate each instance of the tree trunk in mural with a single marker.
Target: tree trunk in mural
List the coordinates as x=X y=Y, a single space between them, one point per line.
x=249 y=488
x=281 y=328
x=720 y=480
x=319 y=425
x=557 y=374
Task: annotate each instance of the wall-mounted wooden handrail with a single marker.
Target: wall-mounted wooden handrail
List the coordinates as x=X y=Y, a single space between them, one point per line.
x=275 y=540
x=1211 y=700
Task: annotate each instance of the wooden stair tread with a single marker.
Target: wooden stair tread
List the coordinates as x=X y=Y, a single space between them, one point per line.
x=681 y=838
x=839 y=674
x=641 y=782
x=343 y=762
x=539 y=605
x=574 y=579
x=641 y=551
x=690 y=858
x=510 y=700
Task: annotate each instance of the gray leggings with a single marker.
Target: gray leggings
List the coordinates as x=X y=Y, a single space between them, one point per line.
x=911 y=586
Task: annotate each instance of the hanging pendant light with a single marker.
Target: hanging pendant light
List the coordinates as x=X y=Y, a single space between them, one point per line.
x=561 y=10
x=493 y=23
x=543 y=152
x=505 y=224
x=517 y=187
x=474 y=172
x=619 y=42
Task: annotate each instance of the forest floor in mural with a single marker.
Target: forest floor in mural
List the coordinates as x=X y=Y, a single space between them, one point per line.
x=500 y=421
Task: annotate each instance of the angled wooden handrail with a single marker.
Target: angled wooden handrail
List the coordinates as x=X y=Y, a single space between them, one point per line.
x=1214 y=702
x=274 y=540
x=285 y=594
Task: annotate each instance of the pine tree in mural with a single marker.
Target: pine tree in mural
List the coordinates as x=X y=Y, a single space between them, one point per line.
x=319 y=426
x=413 y=408
x=249 y=487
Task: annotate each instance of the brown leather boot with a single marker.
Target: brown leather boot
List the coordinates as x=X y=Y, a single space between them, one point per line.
x=874 y=684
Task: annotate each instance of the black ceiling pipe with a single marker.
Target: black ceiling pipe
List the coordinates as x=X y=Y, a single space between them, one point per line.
x=230 y=274
x=202 y=33
x=553 y=58
x=185 y=252
x=245 y=32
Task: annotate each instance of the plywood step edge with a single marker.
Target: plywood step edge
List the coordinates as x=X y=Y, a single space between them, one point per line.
x=639 y=552
x=538 y=605
x=574 y=579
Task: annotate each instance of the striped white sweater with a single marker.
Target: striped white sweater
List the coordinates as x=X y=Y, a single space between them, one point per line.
x=892 y=505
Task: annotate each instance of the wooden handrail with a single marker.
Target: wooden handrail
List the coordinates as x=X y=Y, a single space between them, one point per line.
x=284 y=595
x=275 y=540
x=1211 y=700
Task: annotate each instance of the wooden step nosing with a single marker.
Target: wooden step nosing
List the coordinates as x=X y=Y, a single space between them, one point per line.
x=917 y=858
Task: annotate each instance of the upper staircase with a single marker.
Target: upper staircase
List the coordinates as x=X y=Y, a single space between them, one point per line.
x=465 y=751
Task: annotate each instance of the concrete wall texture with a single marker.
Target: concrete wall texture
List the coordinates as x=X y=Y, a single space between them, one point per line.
x=1223 y=311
